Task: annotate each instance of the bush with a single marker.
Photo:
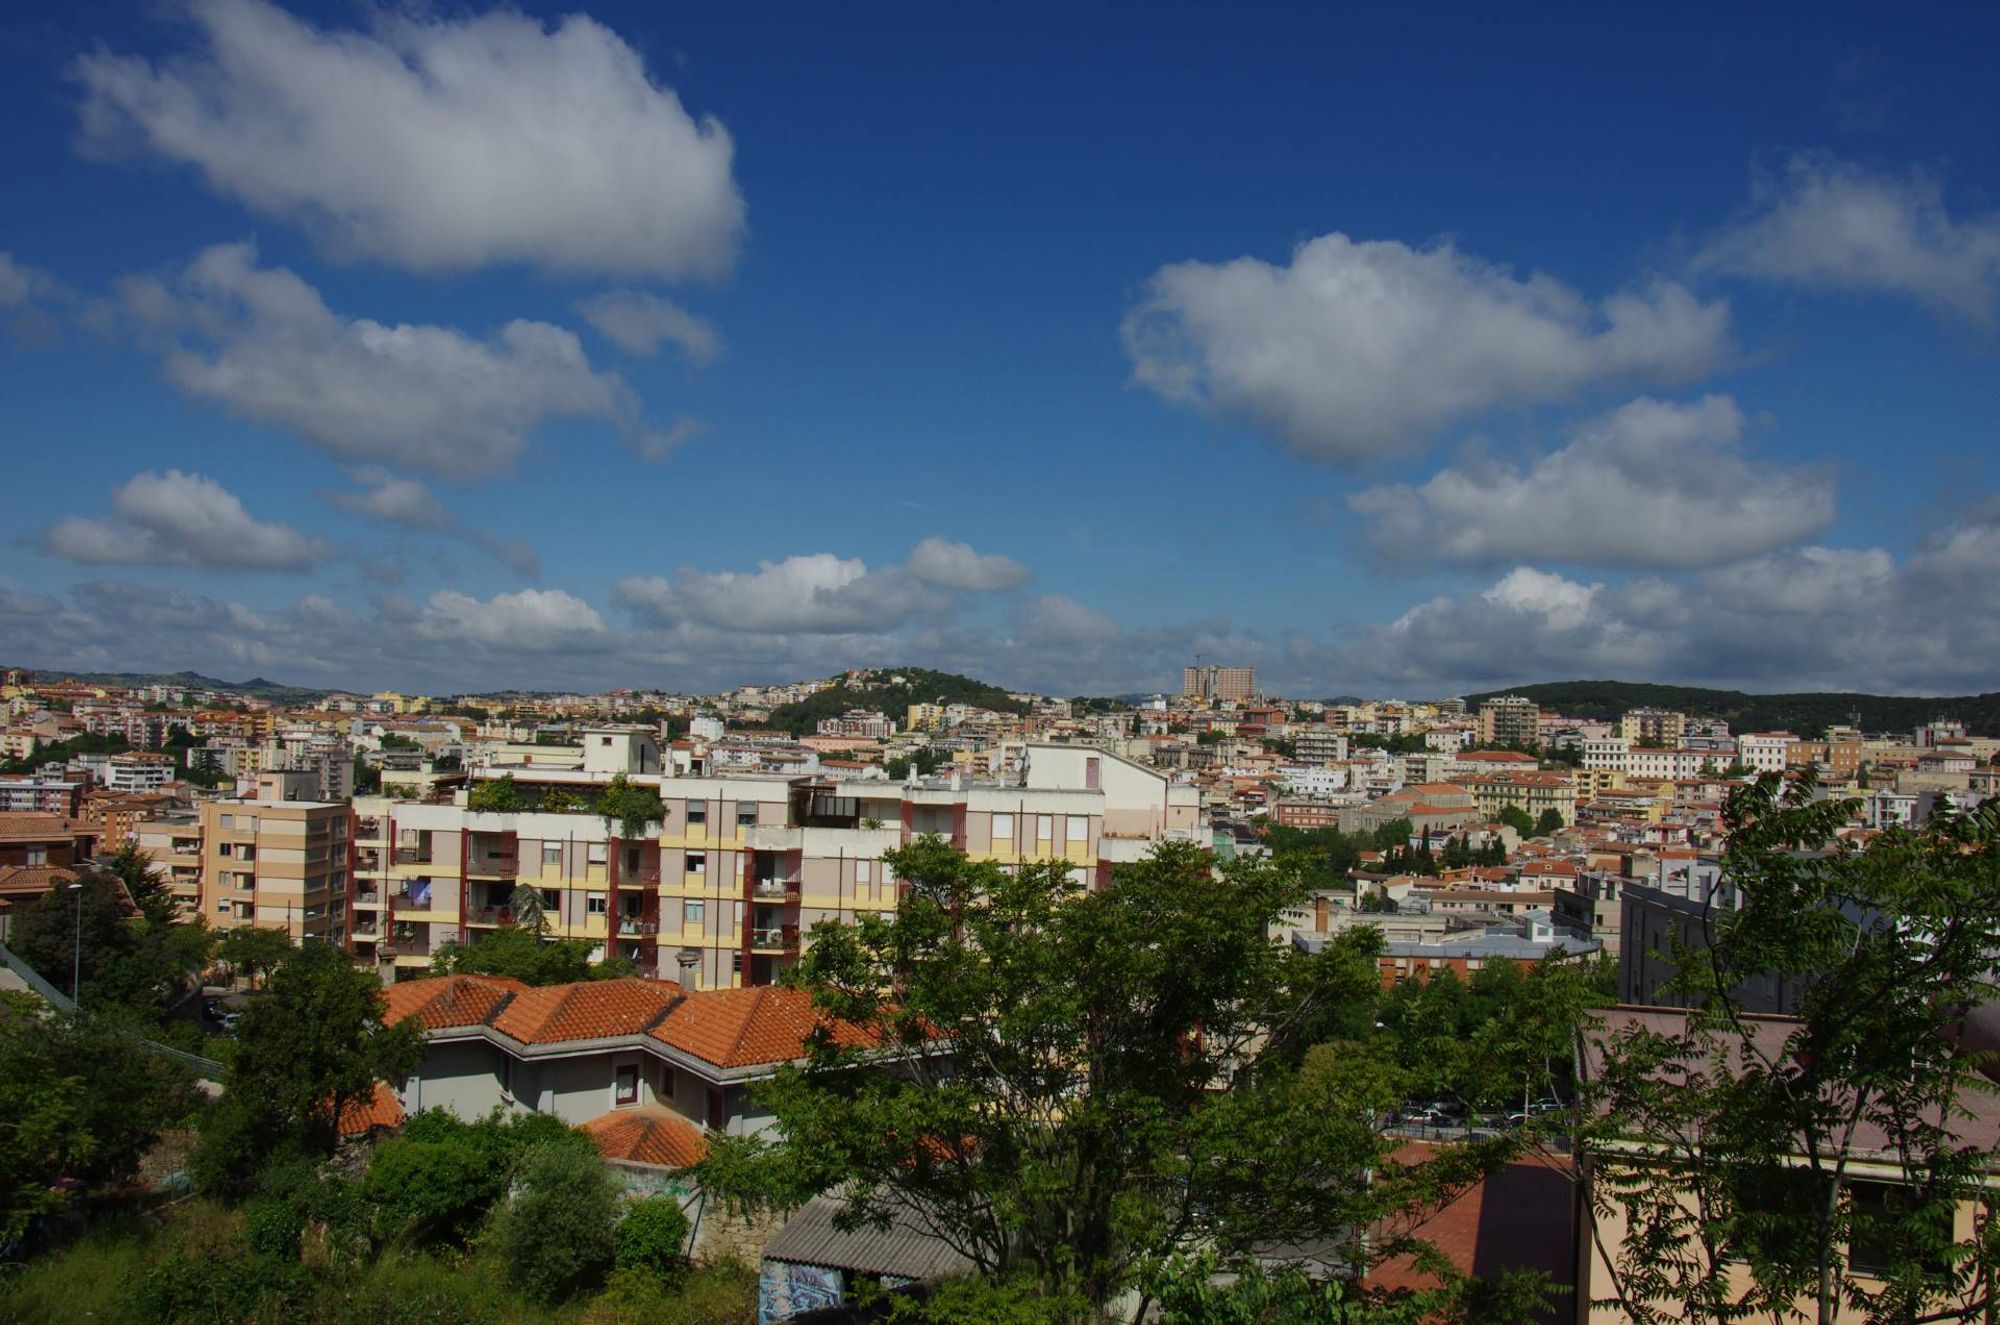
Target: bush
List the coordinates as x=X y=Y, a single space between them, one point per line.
x=273 y=1228
x=555 y=1235
x=426 y=1192
x=652 y=1237
x=218 y=1289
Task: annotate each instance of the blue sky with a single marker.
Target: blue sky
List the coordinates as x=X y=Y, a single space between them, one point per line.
x=1393 y=353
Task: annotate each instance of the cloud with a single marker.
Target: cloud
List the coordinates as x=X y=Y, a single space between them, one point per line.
x=21 y=285
x=657 y=445
x=1653 y=483
x=1054 y=619
x=433 y=144
x=1811 y=618
x=261 y=342
x=395 y=499
x=818 y=593
x=181 y=519
x=637 y=322
x=1831 y=225
x=526 y=621
x=1360 y=350
x=950 y=565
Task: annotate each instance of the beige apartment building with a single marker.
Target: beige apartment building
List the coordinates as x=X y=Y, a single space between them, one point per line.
x=1509 y=720
x=1532 y=792
x=722 y=890
x=278 y=864
x=174 y=842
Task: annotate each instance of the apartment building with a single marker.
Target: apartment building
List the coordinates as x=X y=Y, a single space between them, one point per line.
x=39 y=852
x=174 y=842
x=1532 y=792
x=1218 y=684
x=1509 y=720
x=280 y=864
x=1652 y=726
x=33 y=795
x=722 y=889
x=138 y=770
x=1765 y=752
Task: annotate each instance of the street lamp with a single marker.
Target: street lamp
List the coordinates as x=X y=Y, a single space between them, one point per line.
x=76 y=956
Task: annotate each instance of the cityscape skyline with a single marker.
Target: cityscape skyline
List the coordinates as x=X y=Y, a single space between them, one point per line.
x=1056 y=365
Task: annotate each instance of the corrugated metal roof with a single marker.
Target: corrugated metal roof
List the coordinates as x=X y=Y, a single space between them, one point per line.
x=903 y=1249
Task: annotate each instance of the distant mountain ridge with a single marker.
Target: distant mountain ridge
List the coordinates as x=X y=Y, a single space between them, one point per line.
x=1802 y=711
x=256 y=685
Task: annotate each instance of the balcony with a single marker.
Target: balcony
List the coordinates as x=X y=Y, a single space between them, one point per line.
x=775 y=890
x=494 y=867
x=636 y=927
x=413 y=855
x=645 y=873
x=781 y=938
x=368 y=897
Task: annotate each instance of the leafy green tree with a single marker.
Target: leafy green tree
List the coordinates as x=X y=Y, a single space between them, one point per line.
x=254 y=950
x=653 y=1238
x=517 y=952
x=555 y=1234
x=562 y=800
x=1551 y=821
x=427 y=1193
x=497 y=796
x=79 y=1102
x=146 y=885
x=1094 y=1081
x=526 y=904
x=1517 y=819
x=1743 y=1150
x=45 y=935
x=314 y=1045
x=629 y=807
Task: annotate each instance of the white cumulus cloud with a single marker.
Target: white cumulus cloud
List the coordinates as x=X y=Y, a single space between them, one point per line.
x=638 y=322
x=181 y=520
x=1831 y=225
x=526 y=621
x=815 y=593
x=261 y=341
x=951 y=565
x=1357 y=350
x=1653 y=483
x=435 y=144
x=400 y=500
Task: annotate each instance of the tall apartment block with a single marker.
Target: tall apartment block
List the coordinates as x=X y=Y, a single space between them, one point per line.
x=1219 y=683
x=1509 y=720
x=278 y=864
x=723 y=890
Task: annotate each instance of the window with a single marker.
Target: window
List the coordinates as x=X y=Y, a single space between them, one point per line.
x=697 y=862
x=1889 y=1231
x=1078 y=829
x=1090 y=774
x=222 y=908
x=694 y=913
x=1045 y=827
x=604 y=740
x=226 y=850
x=595 y=854
x=551 y=900
x=38 y=856
x=228 y=821
x=746 y=814
x=864 y=871
x=551 y=856
x=625 y=1088
x=697 y=814
x=593 y=903
x=1003 y=826
x=739 y=915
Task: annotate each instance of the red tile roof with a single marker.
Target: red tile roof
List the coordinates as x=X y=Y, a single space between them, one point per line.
x=452 y=1000
x=745 y=1027
x=383 y=1110
x=642 y=1137
x=590 y=1010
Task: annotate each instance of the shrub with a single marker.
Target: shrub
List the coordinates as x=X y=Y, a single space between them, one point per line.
x=555 y=1235
x=652 y=1237
x=425 y=1192
x=273 y=1228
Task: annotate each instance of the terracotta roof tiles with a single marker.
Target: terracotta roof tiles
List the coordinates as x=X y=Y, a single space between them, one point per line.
x=745 y=1027
x=590 y=1010
x=452 y=1000
x=383 y=1110
x=642 y=1137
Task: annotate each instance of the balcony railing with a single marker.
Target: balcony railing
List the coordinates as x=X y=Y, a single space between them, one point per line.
x=775 y=889
x=506 y=869
x=412 y=856
x=641 y=873
x=636 y=927
x=782 y=938
x=368 y=897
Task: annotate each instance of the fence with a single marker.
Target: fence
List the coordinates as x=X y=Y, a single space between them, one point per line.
x=205 y=1068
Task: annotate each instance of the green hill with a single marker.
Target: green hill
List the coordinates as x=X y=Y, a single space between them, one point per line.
x=1803 y=712
x=891 y=690
x=256 y=685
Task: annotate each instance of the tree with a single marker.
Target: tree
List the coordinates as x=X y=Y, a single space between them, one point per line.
x=314 y=1045
x=516 y=952
x=629 y=807
x=146 y=885
x=556 y=1233
x=1089 y=1083
x=1517 y=819
x=79 y=1103
x=254 y=949
x=562 y=800
x=653 y=1238
x=1551 y=821
x=498 y=796
x=1744 y=1137
x=526 y=904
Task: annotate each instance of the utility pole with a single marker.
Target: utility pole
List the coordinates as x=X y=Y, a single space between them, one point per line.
x=76 y=953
